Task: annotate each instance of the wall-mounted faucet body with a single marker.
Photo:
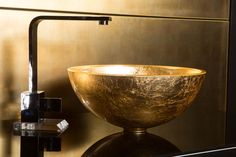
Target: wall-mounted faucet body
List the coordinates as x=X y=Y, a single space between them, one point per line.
x=36 y=131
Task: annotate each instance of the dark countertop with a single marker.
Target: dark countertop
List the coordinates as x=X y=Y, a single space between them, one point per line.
x=88 y=134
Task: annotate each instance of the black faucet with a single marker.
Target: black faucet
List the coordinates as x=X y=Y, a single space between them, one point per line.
x=36 y=131
x=30 y=104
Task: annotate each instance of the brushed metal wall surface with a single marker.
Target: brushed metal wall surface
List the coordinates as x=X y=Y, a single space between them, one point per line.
x=193 y=43
x=184 y=8
x=127 y=40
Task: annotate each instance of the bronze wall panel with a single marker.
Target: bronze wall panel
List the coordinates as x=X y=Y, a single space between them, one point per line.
x=184 y=8
x=193 y=43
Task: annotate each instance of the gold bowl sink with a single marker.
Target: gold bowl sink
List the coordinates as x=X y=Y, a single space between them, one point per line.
x=136 y=97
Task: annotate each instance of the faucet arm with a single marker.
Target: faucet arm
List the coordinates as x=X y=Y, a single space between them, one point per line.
x=33 y=42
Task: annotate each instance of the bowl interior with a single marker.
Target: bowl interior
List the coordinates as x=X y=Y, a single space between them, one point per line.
x=136 y=70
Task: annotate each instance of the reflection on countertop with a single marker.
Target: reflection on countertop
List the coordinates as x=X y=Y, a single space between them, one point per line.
x=130 y=144
x=90 y=136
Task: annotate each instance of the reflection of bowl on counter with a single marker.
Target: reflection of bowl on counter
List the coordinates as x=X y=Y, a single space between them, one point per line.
x=136 y=97
x=126 y=145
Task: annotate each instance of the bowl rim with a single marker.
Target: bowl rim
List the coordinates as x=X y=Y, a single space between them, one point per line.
x=77 y=69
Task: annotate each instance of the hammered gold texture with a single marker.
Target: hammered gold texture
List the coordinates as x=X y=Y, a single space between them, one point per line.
x=136 y=96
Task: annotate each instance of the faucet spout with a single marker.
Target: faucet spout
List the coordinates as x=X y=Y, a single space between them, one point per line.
x=104 y=22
